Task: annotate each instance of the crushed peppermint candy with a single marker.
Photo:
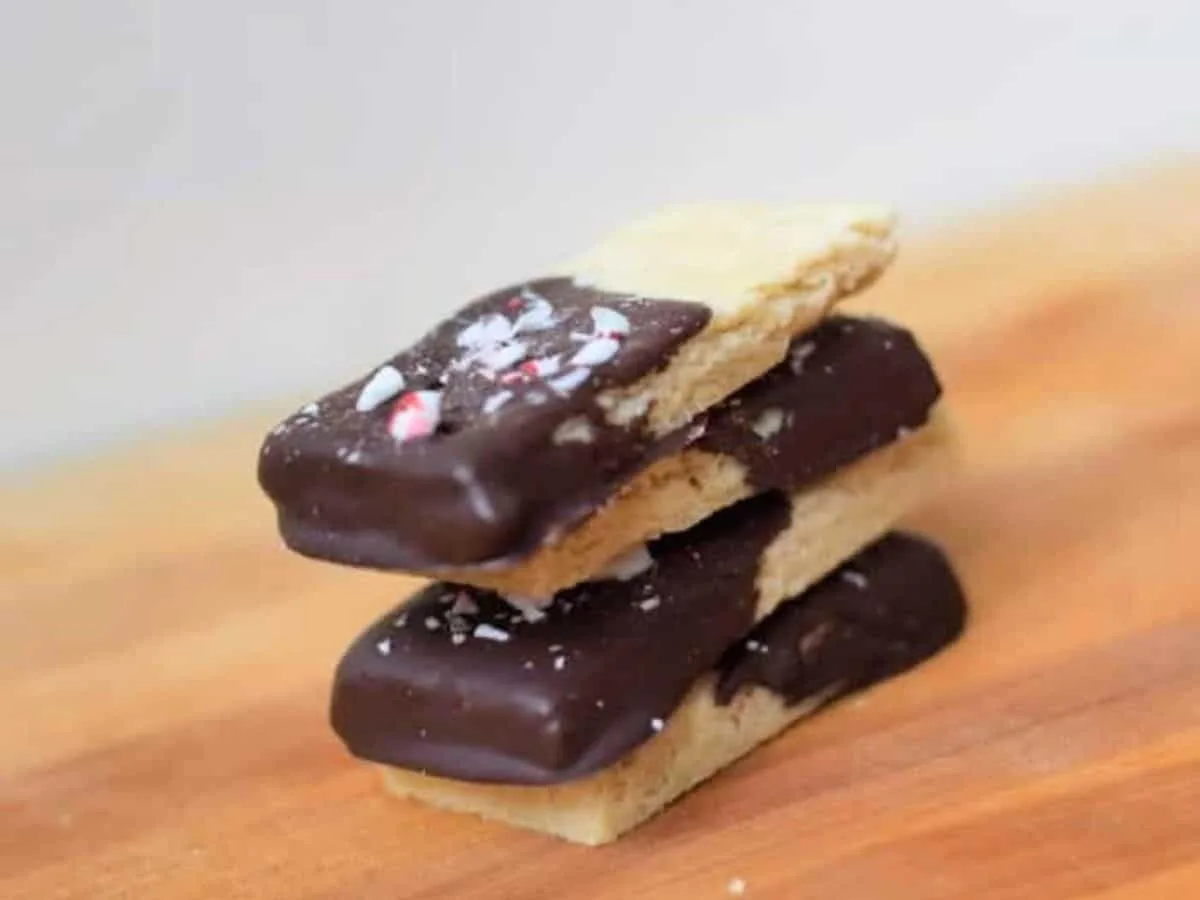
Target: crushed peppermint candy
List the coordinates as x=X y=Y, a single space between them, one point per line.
x=799 y=354
x=596 y=352
x=487 y=632
x=530 y=609
x=560 y=663
x=384 y=647
x=310 y=409
x=538 y=314
x=495 y=402
x=401 y=620
x=432 y=623
x=769 y=423
x=570 y=381
x=609 y=322
x=458 y=637
x=501 y=357
x=650 y=604
x=577 y=430
x=381 y=387
x=464 y=606
x=753 y=646
x=415 y=414
x=485 y=332
x=855 y=579
x=657 y=724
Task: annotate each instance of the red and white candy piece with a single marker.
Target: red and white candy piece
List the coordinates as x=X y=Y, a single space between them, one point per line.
x=610 y=323
x=415 y=414
x=609 y=328
x=537 y=315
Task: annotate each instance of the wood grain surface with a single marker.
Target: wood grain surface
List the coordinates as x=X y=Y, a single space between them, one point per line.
x=164 y=664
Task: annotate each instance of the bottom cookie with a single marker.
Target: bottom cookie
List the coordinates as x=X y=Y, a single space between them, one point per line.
x=888 y=609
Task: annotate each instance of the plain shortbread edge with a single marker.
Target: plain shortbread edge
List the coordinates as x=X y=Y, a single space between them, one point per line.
x=766 y=273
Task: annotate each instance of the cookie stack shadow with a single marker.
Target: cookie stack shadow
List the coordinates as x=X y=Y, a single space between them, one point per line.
x=657 y=489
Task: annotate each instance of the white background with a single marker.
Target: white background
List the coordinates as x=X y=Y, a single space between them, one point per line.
x=208 y=204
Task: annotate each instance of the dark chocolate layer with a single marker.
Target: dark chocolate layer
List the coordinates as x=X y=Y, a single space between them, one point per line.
x=892 y=606
x=458 y=683
x=848 y=387
x=492 y=491
x=482 y=439
x=561 y=698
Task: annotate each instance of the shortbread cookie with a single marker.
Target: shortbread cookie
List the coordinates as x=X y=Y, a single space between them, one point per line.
x=894 y=605
x=459 y=682
x=848 y=387
x=528 y=409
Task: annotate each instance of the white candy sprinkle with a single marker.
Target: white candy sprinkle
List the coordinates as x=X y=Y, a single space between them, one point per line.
x=560 y=663
x=528 y=664
x=696 y=432
x=567 y=383
x=856 y=579
x=599 y=704
x=536 y=398
x=487 y=632
x=768 y=424
x=491 y=329
x=554 y=648
x=753 y=646
x=529 y=608
x=432 y=623
x=354 y=457
x=574 y=431
x=493 y=403
x=481 y=504
x=609 y=321
x=385 y=384
x=628 y=566
x=310 y=409
x=384 y=647
x=596 y=352
x=799 y=354
x=657 y=724
x=464 y=606
x=502 y=357
x=737 y=887
x=538 y=315
x=401 y=620
x=650 y=603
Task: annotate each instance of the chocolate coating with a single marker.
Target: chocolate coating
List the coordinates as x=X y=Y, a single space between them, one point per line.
x=558 y=698
x=892 y=606
x=349 y=492
x=505 y=711
x=368 y=486
x=849 y=386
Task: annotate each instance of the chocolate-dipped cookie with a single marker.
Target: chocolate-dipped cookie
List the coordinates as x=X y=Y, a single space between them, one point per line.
x=513 y=420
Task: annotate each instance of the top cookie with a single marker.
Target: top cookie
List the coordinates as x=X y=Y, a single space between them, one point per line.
x=526 y=410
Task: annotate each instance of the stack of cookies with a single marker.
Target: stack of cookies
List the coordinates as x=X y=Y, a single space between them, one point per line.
x=657 y=490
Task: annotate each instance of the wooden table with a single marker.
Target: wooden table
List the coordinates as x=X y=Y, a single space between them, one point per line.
x=164 y=664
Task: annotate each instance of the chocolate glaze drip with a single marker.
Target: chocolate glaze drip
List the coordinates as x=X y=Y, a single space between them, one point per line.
x=494 y=383
x=458 y=683
x=508 y=711
x=895 y=604
x=848 y=387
